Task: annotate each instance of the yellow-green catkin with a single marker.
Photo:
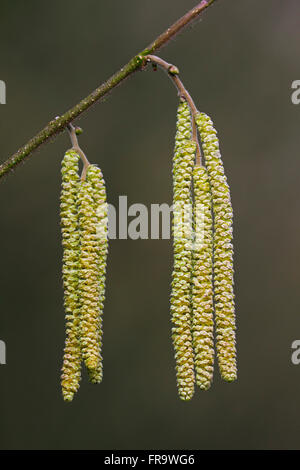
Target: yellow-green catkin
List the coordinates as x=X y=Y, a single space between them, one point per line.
x=202 y=287
x=89 y=288
x=183 y=162
x=95 y=178
x=70 y=240
x=223 y=250
x=183 y=125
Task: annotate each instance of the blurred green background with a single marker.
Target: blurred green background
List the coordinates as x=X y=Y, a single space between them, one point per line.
x=238 y=62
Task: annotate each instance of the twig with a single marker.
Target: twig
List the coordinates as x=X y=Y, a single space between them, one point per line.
x=173 y=73
x=58 y=124
x=76 y=147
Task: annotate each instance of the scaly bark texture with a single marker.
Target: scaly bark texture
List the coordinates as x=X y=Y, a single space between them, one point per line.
x=184 y=156
x=70 y=240
x=223 y=249
x=202 y=281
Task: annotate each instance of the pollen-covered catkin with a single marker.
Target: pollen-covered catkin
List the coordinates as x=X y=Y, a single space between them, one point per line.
x=223 y=249
x=202 y=290
x=183 y=125
x=89 y=286
x=182 y=232
x=70 y=240
x=95 y=177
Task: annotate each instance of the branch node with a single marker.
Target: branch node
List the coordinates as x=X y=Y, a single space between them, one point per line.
x=78 y=130
x=173 y=70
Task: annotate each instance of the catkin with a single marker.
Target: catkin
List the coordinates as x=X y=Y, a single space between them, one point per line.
x=202 y=291
x=183 y=125
x=89 y=288
x=223 y=250
x=95 y=178
x=70 y=240
x=182 y=232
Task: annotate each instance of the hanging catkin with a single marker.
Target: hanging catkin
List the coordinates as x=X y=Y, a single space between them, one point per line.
x=70 y=240
x=182 y=232
x=183 y=125
x=202 y=291
x=95 y=177
x=223 y=249
x=89 y=286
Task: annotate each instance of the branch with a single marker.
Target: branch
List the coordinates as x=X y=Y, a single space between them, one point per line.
x=58 y=124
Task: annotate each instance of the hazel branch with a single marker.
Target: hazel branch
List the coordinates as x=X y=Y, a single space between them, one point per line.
x=59 y=124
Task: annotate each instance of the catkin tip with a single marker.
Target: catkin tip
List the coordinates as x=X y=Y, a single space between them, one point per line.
x=68 y=398
x=95 y=376
x=231 y=378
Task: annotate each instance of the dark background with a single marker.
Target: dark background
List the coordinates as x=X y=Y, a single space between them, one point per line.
x=238 y=62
